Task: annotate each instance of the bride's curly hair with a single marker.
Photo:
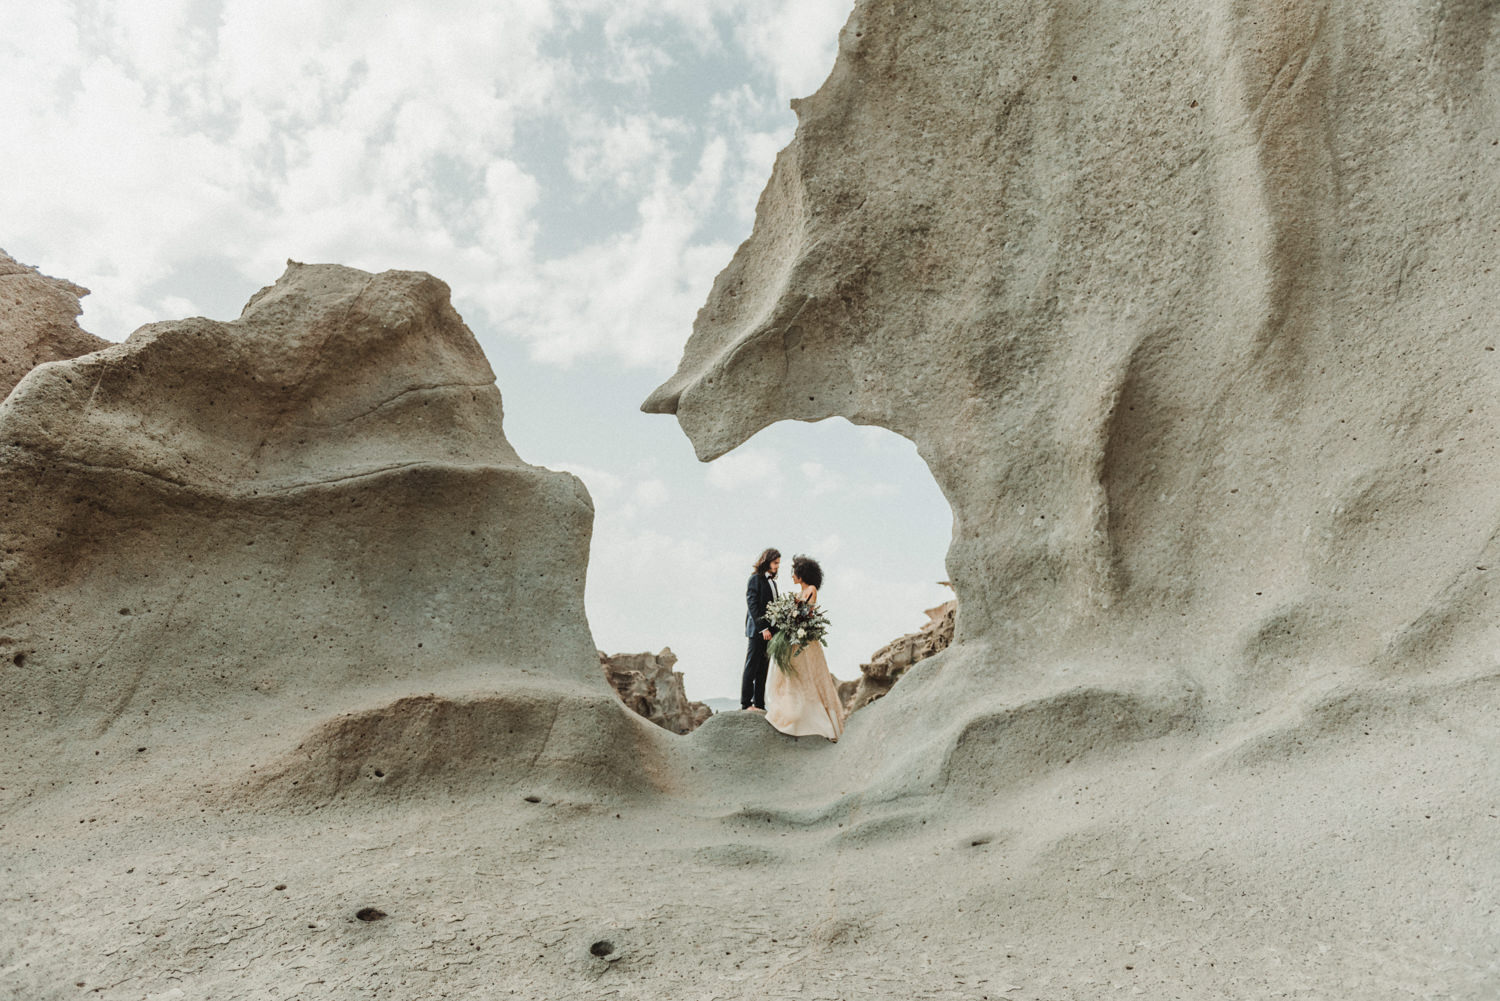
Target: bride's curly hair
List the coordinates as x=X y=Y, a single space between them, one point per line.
x=807 y=570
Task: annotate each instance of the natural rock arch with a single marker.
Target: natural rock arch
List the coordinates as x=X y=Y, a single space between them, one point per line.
x=1187 y=309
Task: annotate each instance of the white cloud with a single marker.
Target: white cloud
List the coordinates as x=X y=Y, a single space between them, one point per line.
x=649 y=588
x=175 y=307
x=603 y=485
x=504 y=213
x=829 y=545
x=651 y=493
x=158 y=136
x=273 y=132
x=625 y=154
x=742 y=115
x=746 y=468
x=618 y=498
x=160 y=38
x=820 y=479
x=797 y=39
x=634 y=295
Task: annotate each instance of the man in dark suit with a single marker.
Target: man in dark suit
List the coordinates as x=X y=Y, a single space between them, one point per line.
x=758 y=594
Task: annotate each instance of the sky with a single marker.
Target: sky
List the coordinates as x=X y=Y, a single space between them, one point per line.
x=577 y=171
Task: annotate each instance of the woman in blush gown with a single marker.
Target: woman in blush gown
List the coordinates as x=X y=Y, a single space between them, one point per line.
x=805 y=701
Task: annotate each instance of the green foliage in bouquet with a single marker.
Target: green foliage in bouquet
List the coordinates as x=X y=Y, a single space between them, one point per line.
x=794 y=625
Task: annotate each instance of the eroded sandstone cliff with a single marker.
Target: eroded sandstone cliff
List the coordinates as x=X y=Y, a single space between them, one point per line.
x=647 y=684
x=890 y=663
x=38 y=321
x=1189 y=309
x=303 y=518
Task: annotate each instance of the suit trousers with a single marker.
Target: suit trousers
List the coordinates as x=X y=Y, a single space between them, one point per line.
x=753 y=684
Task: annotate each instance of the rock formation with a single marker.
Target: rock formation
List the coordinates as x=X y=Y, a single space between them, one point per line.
x=647 y=685
x=1187 y=308
x=38 y=321
x=306 y=511
x=890 y=662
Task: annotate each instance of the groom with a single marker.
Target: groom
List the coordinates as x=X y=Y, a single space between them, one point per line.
x=758 y=594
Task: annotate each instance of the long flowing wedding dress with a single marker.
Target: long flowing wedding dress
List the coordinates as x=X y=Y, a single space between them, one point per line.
x=804 y=701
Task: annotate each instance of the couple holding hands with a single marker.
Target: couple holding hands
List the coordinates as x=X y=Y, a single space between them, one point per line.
x=799 y=697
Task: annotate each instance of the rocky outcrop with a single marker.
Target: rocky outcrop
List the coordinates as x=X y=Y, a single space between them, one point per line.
x=890 y=662
x=647 y=684
x=1188 y=309
x=1190 y=313
x=38 y=321
x=309 y=509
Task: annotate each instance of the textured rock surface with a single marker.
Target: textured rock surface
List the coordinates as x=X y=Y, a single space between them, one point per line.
x=1181 y=339
x=307 y=510
x=647 y=685
x=38 y=321
x=890 y=662
x=1188 y=308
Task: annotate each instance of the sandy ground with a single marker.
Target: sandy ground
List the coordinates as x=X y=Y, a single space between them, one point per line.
x=1176 y=867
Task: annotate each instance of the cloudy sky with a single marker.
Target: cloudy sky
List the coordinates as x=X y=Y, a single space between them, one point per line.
x=577 y=170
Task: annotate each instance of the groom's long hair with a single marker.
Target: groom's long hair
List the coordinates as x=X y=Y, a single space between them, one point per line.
x=763 y=563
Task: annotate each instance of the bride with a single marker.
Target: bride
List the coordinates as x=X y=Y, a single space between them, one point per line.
x=804 y=700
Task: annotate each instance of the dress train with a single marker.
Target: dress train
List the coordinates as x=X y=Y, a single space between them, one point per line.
x=806 y=701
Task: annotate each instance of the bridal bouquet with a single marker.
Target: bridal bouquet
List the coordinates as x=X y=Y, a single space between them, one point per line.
x=795 y=624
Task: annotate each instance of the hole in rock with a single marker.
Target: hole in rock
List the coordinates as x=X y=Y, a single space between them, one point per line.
x=603 y=947
x=369 y=914
x=19 y=660
x=379 y=773
x=533 y=799
x=858 y=499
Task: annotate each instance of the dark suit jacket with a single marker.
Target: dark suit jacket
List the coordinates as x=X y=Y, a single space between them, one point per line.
x=758 y=595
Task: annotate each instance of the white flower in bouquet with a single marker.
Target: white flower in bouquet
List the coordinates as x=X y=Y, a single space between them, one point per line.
x=795 y=624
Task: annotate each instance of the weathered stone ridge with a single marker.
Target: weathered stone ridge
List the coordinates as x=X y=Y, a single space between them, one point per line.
x=38 y=321
x=647 y=684
x=306 y=506
x=1189 y=308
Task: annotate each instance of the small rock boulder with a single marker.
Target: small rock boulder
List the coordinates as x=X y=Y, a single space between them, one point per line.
x=647 y=684
x=893 y=660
